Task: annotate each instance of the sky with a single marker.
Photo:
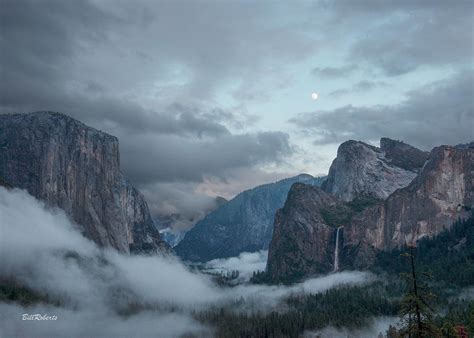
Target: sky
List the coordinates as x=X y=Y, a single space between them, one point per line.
x=209 y=98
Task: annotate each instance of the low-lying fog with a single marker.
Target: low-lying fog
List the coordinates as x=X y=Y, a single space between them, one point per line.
x=246 y=263
x=104 y=293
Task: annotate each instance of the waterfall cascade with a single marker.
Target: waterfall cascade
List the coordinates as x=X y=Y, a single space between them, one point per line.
x=336 y=250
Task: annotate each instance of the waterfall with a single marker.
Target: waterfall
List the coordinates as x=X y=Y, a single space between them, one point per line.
x=336 y=251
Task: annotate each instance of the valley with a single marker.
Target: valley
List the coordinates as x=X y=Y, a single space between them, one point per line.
x=317 y=260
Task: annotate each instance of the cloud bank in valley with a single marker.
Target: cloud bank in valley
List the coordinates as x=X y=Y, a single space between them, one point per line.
x=106 y=293
x=246 y=263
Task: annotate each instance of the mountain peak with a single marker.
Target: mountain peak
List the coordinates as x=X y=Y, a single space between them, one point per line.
x=361 y=169
x=315 y=231
x=53 y=120
x=75 y=167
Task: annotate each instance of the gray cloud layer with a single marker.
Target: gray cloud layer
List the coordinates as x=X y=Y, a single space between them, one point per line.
x=398 y=37
x=334 y=72
x=110 y=46
x=102 y=61
x=438 y=113
x=150 y=73
x=359 y=87
x=197 y=158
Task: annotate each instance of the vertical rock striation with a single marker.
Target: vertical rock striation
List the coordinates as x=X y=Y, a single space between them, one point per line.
x=442 y=192
x=77 y=168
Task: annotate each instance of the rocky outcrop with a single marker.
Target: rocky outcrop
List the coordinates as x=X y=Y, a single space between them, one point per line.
x=244 y=223
x=305 y=229
x=303 y=239
x=77 y=168
x=403 y=155
x=362 y=170
x=442 y=192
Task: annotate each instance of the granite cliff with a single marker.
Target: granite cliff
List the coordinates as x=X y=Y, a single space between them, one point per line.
x=77 y=168
x=304 y=238
x=362 y=170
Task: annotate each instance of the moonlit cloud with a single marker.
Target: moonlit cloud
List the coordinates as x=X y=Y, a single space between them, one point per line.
x=443 y=108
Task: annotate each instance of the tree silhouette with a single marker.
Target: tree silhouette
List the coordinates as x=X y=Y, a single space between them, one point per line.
x=416 y=313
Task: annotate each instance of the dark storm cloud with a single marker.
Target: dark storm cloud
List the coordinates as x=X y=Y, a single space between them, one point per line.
x=75 y=57
x=440 y=113
x=141 y=41
x=147 y=72
x=151 y=158
x=75 y=46
x=218 y=40
x=40 y=41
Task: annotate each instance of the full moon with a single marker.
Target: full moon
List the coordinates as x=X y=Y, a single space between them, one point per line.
x=314 y=96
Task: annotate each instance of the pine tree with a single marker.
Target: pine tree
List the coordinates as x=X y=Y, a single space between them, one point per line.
x=416 y=313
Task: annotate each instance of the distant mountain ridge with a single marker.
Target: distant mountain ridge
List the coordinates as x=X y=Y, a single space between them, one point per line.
x=304 y=239
x=69 y=165
x=173 y=227
x=245 y=223
x=173 y=238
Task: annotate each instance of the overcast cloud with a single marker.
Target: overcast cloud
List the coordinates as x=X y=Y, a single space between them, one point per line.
x=199 y=90
x=444 y=108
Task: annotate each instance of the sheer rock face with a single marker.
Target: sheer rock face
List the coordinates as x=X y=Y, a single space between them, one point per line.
x=364 y=170
x=77 y=168
x=302 y=241
x=305 y=229
x=442 y=192
x=244 y=223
